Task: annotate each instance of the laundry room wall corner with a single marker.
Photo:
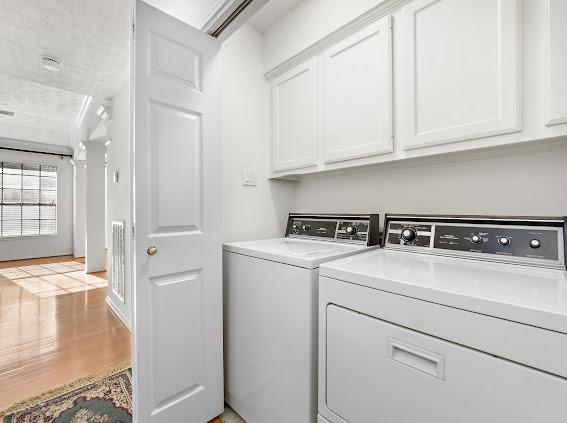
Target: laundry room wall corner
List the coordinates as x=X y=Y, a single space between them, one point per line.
x=250 y=212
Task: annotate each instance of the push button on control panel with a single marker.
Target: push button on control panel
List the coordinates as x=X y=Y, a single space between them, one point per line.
x=535 y=243
x=476 y=239
x=504 y=241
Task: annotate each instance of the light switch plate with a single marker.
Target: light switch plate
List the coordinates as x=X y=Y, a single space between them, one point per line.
x=248 y=177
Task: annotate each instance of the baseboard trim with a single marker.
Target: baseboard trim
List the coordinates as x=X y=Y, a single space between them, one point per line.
x=116 y=310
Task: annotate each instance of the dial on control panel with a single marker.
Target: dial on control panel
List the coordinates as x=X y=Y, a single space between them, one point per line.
x=351 y=230
x=476 y=239
x=409 y=234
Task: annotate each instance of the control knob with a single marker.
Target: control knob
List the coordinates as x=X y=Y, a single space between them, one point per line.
x=295 y=227
x=535 y=243
x=504 y=241
x=476 y=239
x=409 y=234
x=306 y=227
x=351 y=230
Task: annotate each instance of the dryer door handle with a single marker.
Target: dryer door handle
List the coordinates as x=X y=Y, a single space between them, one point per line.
x=416 y=357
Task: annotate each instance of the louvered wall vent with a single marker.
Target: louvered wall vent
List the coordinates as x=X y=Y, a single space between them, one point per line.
x=118 y=254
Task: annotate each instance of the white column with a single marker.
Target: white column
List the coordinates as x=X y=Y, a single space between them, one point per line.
x=79 y=207
x=95 y=245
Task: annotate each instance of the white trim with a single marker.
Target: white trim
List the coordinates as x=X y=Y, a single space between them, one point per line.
x=37 y=147
x=344 y=31
x=116 y=310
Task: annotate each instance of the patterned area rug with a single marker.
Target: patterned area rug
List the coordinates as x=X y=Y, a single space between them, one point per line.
x=106 y=400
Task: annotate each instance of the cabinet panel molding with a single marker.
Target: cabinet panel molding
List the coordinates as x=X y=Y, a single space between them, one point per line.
x=459 y=70
x=294 y=118
x=357 y=95
x=556 y=62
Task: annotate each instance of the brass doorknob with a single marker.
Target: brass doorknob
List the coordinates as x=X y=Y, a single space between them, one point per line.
x=151 y=251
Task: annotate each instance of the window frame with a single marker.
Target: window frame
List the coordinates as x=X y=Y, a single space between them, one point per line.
x=21 y=204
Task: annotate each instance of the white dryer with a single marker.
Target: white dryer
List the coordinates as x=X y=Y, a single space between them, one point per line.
x=456 y=319
x=270 y=314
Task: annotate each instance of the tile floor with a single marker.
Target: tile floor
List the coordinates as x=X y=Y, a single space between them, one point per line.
x=229 y=416
x=51 y=279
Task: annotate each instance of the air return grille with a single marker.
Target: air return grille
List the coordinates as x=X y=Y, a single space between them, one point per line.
x=118 y=253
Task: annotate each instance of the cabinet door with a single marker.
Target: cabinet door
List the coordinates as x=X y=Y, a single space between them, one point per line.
x=556 y=62
x=294 y=118
x=459 y=70
x=357 y=96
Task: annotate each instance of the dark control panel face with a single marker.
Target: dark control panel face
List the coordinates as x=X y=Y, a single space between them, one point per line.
x=502 y=240
x=353 y=229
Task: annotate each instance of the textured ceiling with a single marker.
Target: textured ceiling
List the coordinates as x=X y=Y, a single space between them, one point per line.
x=43 y=113
x=91 y=39
x=272 y=12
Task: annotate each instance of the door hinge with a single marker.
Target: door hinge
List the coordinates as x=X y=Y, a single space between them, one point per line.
x=133 y=230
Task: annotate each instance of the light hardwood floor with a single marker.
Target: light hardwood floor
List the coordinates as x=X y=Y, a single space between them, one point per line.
x=55 y=327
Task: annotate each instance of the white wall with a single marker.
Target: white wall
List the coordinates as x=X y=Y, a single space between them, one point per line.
x=306 y=24
x=527 y=181
x=249 y=212
x=193 y=12
x=95 y=245
x=119 y=195
x=44 y=246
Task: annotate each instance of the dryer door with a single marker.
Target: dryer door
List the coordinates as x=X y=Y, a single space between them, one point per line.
x=380 y=372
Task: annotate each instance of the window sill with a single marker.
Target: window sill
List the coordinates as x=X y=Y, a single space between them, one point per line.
x=24 y=237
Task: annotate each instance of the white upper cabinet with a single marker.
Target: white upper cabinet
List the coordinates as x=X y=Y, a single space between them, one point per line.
x=357 y=94
x=556 y=90
x=459 y=72
x=294 y=118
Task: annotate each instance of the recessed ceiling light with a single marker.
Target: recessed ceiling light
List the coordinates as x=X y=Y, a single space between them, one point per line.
x=6 y=113
x=104 y=111
x=51 y=64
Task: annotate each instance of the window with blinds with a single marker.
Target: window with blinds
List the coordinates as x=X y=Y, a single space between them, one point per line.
x=28 y=199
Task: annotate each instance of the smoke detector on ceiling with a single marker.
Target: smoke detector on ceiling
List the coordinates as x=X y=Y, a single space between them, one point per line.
x=51 y=64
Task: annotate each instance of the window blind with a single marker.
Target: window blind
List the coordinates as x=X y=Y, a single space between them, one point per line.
x=28 y=199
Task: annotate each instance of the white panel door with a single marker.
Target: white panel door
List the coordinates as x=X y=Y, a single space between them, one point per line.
x=556 y=107
x=459 y=70
x=294 y=118
x=178 y=241
x=357 y=98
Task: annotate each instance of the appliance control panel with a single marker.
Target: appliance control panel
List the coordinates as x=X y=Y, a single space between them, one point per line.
x=522 y=240
x=359 y=229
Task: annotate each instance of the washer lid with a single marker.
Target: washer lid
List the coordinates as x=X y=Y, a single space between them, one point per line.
x=295 y=252
x=529 y=295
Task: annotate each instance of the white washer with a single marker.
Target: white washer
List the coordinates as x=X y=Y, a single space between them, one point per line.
x=454 y=320
x=270 y=314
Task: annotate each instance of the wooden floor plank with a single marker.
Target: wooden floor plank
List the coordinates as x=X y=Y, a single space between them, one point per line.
x=47 y=342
